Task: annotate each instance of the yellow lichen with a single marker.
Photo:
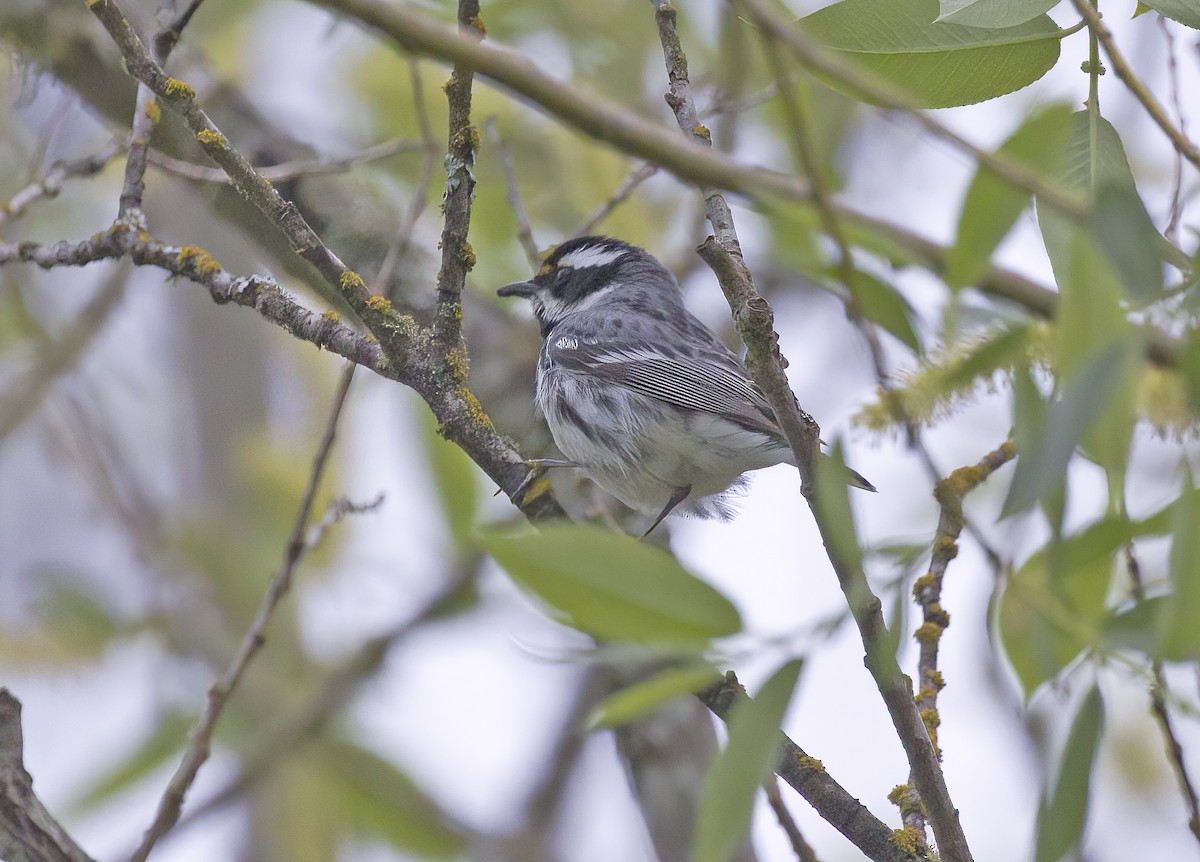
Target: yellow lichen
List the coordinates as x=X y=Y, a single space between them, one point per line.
x=331 y=316
x=352 y=281
x=376 y=302
x=371 y=339
x=932 y=722
x=701 y=131
x=477 y=23
x=928 y=632
x=923 y=583
x=210 y=138
x=908 y=839
x=810 y=763
x=473 y=410
x=176 y=87
x=534 y=490
x=898 y=793
x=468 y=256
x=458 y=363
x=153 y=111
x=200 y=261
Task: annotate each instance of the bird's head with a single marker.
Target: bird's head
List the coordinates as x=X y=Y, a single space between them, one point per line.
x=583 y=271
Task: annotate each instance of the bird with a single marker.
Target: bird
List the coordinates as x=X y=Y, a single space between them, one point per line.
x=640 y=394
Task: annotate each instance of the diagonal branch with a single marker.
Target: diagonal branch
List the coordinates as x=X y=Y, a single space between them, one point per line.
x=753 y=317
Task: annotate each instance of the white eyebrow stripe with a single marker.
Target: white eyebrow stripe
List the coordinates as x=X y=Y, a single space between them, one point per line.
x=592 y=256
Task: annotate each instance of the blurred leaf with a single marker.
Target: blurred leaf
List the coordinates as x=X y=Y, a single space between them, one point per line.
x=1138 y=627
x=457 y=480
x=165 y=740
x=1090 y=318
x=1124 y=209
x=887 y=307
x=738 y=772
x=1181 y=626
x=833 y=503
x=943 y=65
x=651 y=694
x=992 y=205
x=992 y=13
x=1047 y=448
x=1123 y=229
x=1063 y=813
x=615 y=587
x=998 y=351
x=377 y=797
x=1184 y=11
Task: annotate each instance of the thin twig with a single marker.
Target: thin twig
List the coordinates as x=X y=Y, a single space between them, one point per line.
x=288 y=170
x=787 y=823
x=463 y=140
x=383 y=284
x=332 y=695
x=1159 y=693
x=49 y=184
x=1183 y=145
x=524 y=231
x=339 y=510
x=200 y=739
x=168 y=36
x=1171 y=231
x=623 y=192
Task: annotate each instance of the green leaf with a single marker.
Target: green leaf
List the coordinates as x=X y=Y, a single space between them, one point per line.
x=884 y=305
x=992 y=205
x=943 y=65
x=1000 y=351
x=1123 y=229
x=457 y=480
x=1137 y=627
x=1184 y=11
x=833 y=503
x=734 y=778
x=1053 y=608
x=1063 y=814
x=1123 y=211
x=1181 y=626
x=649 y=695
x=992 y=13
x=1042 y=464
x=377 y=797
x=615 y=587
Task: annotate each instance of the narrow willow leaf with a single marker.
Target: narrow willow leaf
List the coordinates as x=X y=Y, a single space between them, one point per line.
x=1063 y=814
x=884 y=305
x=457 y=481
x=1123 y=229
x=1125 y=210
x=165 y=741
x=734 y=778
x=1184 y=11
x=1138 y=627
x=992 y=205
x=992 y=13
x=943 y=65
x=615 y=587
x=833 y=502
x=644 y=697
x=1042 y=465
x=1053 y=607
x=1181 y=626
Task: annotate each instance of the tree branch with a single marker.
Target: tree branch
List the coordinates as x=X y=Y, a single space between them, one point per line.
x=807 y=776
x=49 y=184
x=28 y=832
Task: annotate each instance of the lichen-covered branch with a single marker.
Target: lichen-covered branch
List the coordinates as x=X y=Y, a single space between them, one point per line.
x=807 y=776
x=457 y=256
x=754 y=320
x=409 y=350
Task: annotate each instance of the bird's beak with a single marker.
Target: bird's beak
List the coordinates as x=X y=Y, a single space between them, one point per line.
x=523 y=289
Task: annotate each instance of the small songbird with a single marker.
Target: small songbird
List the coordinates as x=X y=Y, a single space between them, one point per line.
x=638 y=392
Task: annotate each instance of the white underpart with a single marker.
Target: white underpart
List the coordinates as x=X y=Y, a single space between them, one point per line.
x=592 y=256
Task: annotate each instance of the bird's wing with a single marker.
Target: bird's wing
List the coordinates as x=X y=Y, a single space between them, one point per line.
x=692 y=383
